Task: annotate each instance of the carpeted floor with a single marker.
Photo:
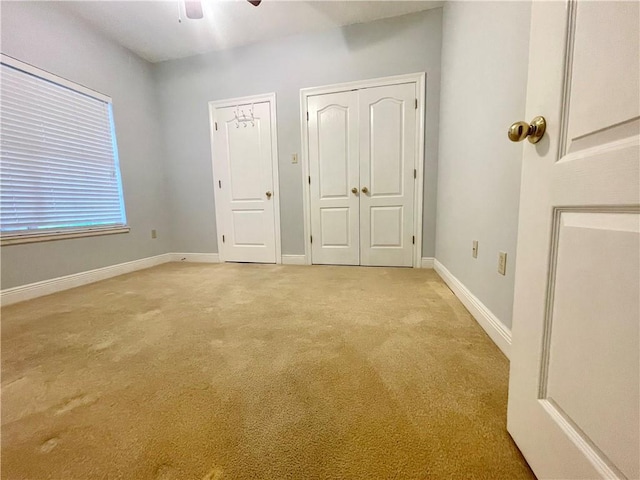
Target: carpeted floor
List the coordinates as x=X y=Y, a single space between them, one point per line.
x=224 y=372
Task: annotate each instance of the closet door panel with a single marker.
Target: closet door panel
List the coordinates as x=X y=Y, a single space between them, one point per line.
x=334 y=172
x=387 y=127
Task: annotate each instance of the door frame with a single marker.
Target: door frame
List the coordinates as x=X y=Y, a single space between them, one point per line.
x=419 y=79
x=232 y=102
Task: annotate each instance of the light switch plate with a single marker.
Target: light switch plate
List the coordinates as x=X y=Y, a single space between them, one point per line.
x=502 y=263
x=474 y=249
x=154 y=234
x=294 y=158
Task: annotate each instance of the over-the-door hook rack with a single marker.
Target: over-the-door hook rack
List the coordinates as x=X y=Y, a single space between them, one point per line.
x=241 y=117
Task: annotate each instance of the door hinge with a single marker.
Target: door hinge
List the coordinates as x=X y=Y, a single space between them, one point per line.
x=311 y=237
x=416 y=103
x=222 y=238
x=219 y=183
x=309 y=179
x=307 y=116
x=414 y=239
x=415 y=173
x=216 y=125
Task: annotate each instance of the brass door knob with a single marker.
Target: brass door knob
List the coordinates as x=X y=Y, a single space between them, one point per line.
x=354 y=190
x=268 y=194
x=521 y=130
x=365 y=190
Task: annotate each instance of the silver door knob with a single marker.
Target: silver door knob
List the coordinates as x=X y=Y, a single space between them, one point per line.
x=268 y=194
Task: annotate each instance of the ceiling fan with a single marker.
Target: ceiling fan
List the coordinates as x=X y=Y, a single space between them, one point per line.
x=193 y=8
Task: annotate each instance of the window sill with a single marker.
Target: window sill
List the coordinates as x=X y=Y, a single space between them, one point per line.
x=60 y=235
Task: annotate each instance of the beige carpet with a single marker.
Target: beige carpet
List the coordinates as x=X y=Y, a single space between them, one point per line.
x=188 y=371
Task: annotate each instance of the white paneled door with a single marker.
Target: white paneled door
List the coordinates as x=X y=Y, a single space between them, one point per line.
x=362 y=155
x=243 y=170
x=387 y=157
x=335 y=185
x=574 y=393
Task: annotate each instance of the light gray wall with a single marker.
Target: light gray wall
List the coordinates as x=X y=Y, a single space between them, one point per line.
x=484 y=78
x=400 y=45
x=43 y=35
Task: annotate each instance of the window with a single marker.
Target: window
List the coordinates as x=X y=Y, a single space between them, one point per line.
x=59 y=172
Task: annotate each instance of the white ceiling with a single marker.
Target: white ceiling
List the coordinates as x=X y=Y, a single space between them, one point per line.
x=151 y=28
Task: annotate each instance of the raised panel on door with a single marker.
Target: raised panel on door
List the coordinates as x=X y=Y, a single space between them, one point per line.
x=388 y=129
x=593 y=337
x=333 y=165
x=243 y=169
x=574 y=395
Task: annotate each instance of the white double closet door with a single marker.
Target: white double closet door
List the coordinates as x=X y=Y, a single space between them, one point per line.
x=362 y=155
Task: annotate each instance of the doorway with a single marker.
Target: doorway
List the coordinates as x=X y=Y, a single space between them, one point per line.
x=245 y=174
x=363 y=156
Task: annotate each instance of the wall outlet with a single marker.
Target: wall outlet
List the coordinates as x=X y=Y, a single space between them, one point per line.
x=294 y=158
x=474 y=249
x=154 y=234
x=502 y=263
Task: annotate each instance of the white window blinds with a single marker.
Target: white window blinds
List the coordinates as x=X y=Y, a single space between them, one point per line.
x=59 y=167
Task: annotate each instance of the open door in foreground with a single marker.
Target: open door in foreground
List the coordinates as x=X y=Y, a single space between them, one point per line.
x=574 y=387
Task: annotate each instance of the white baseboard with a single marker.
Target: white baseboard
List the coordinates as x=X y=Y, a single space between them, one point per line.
x=496 y=330
x=47 y=287
x=195 y=257
x=294 y=260
x=426 y=262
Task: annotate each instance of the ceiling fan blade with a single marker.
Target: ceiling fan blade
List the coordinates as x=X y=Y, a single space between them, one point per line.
x=193 y=9
x=255 y=3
